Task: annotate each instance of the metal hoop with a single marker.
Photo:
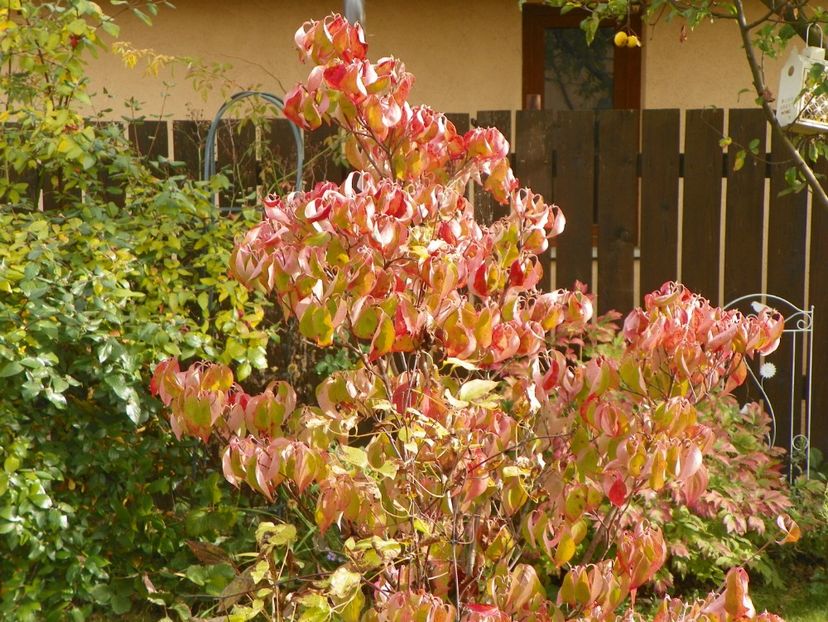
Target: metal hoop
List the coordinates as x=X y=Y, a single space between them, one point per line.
x=808 y=34
x=209 y=149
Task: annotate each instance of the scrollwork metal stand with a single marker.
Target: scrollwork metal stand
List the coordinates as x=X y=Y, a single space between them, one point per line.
x=799 y=444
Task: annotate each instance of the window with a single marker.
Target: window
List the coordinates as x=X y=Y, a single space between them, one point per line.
x=560 y=71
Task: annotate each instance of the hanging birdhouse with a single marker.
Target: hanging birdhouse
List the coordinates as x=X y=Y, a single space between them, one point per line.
x=801 y=105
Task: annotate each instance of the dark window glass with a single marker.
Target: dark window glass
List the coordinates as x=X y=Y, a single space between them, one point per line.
x=578 y=76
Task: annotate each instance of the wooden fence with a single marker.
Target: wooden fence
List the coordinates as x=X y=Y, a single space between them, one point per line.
x=649 y=196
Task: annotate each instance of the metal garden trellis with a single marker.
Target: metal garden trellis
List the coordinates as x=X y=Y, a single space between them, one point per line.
x=209 y=168
x=799 y=444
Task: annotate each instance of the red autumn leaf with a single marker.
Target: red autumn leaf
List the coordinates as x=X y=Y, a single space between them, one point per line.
x=618 y=492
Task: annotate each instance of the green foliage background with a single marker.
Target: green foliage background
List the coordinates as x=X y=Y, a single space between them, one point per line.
x=97 y=500
x=93 y=486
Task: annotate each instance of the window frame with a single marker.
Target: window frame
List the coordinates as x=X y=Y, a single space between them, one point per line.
x=537 y=18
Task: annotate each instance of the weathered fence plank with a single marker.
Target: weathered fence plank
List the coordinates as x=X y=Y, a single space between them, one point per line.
x=818 y=297
x=744 y=217
x=617 y=207
x=321 y=156
x=277 y=167
x=236 y=158
x=149 y=138
x=533 y=161
x=460 y=120
x=189 y=141
x=702 y=201
x=574 y=191
x=660 y=137
x=112 y=189
x=786 y=278
x=485 y=207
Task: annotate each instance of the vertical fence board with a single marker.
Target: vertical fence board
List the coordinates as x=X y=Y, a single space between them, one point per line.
x=321 y=155
x=574 y=191
x=460 y=120
x=818 y=297
x=30 y=177
x=32 y=181
x=702 y=201
x=786 y=278
x=56 y=196
x=189 y=143
x=617 y=207
x=277 y=167
x=485 y=207
x=149 y=138
x=236 y=157
x=659 y=197
x=533 y=161
x=744 y=215
x=112 y=189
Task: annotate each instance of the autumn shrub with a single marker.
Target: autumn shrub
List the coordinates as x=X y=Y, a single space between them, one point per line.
x=747 y=490
x=729 y=524
x=476 y=463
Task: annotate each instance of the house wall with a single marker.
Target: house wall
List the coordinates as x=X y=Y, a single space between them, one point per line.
x=466 y=55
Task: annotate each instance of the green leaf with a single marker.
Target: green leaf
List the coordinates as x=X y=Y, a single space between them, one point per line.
x=276 y=535
x=10 y=369
x=259 y=570
x=355 y=455
x=461 y=363
x=739 y=160
x=11 y=464
x=111 y=28
x=41 y=500
x=344 y=582
x=119 y=386
x=100 y=593
x=475 y=389
x=77 y=27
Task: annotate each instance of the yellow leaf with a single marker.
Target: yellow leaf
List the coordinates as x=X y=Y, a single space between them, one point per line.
x=565 y=550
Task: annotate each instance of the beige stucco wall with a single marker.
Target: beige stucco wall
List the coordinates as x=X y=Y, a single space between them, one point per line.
x=466 y=54
x=707 y=68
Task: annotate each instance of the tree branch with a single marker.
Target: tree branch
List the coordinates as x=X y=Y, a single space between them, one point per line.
x=761 y=91
x=791 y=12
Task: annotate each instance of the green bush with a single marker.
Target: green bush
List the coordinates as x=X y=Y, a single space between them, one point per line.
x=125 y=267
x=93 y=495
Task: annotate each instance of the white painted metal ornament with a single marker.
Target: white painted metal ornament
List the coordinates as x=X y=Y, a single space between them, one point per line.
x=798 y=108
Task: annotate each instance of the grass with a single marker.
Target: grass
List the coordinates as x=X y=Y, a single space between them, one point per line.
x=802 y=600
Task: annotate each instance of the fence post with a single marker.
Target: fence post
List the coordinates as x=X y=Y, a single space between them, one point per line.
x=617 y=207
x=702 y=202
x=660 y=161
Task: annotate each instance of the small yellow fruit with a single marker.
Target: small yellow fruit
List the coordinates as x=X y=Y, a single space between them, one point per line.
x=633 y=42
x=621 y=39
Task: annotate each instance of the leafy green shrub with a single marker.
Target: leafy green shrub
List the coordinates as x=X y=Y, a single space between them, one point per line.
x=122 y=268
x=91 y=297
